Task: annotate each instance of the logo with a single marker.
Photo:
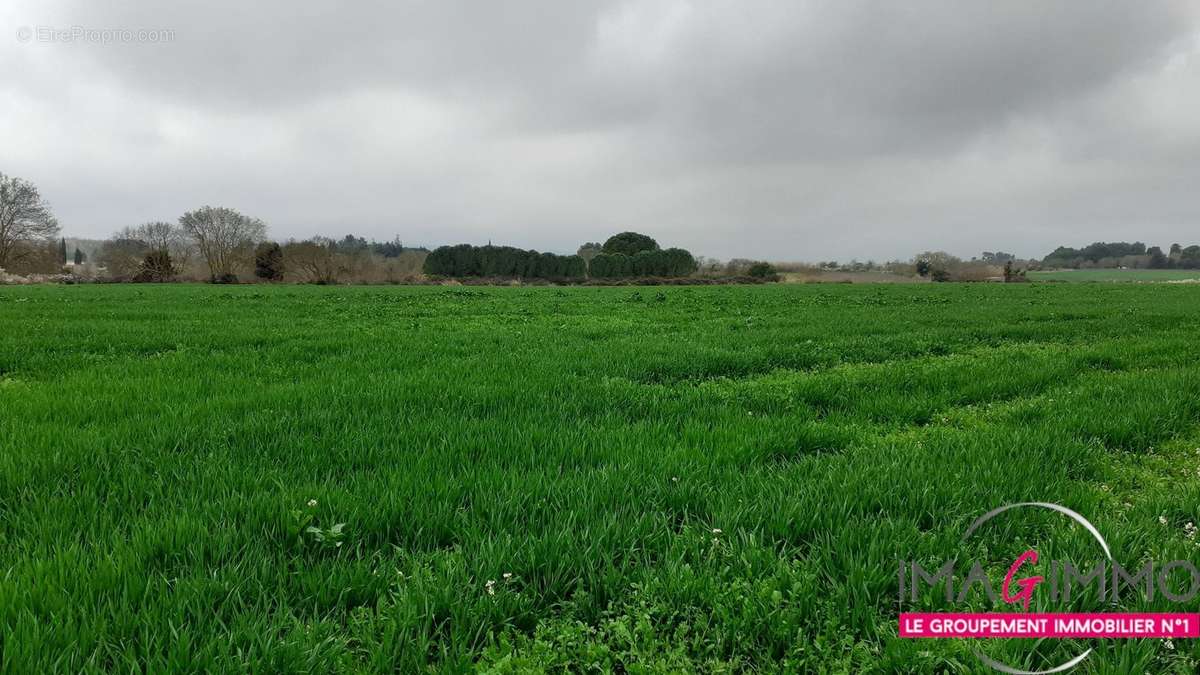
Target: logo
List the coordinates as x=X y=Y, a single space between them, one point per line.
x=1034 y=578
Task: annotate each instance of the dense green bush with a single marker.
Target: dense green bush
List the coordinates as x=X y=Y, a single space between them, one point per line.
x=761 y=270
x=157 y=267
x=465 y=260
x=610 y=266
x=268 y=261
x=672 y=262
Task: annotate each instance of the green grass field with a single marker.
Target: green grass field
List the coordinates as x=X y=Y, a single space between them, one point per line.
x=1110 y=276
x=681 y=479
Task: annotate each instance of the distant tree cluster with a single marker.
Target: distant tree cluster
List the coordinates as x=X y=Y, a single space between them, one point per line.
x=321 y=260
x=628 y=254
x=465 y=260
x=762 y=270
x=937 y=265
x=1124 y=254
x=150 y=252
x=1064 y=256
x=386 y=249
x=671 y=262
x=391 y=249
x=218 y=244
x=1187 y=258
x=631 y=254
x=1012 y=274
x=940 y=266
x=996 y=257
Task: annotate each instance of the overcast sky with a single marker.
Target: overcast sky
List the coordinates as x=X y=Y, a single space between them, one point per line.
x=784 y=130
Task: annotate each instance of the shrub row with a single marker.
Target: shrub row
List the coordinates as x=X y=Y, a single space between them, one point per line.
x=465 y=260
x=671 y=262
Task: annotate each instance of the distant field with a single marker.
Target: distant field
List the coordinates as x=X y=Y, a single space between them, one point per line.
x=1115 y=275
x=713 y=479
x=850 y=277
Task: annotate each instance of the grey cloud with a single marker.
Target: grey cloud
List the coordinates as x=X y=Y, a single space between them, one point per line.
x=767 y=129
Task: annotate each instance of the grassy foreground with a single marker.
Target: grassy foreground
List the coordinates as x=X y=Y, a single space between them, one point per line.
x=639 y=480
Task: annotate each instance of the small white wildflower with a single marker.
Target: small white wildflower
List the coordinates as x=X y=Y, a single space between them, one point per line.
x=1189 y=530
x=312 y=503
x=674 y=479
x=1105 y=488
x=716 y=530
x=1162 y=520
x=1168 y=644
x=491 y=586
x=508 y=576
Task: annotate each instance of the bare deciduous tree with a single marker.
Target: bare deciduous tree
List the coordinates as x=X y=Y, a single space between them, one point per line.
x=122 y=257
x=315 y=261
x=160 y=236
x=226 y=238
x=24 y=216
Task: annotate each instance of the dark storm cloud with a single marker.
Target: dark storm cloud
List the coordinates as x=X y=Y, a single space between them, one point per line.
x=771 y=129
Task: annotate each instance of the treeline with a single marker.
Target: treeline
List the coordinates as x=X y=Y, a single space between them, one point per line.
x=349 y=260
x=1124 y=254
x=624 y=255
x=465 y=260
x=383 y=249
x=222 y=245
x=228 y=247
x=671 y=262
